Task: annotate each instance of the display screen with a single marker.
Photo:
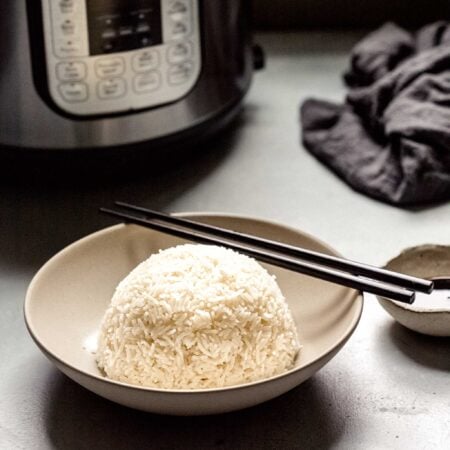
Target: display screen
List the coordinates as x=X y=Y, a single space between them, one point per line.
x=120 y=25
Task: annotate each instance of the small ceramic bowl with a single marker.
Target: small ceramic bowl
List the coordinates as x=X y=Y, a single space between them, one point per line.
x=69 y=295
x=431 y=262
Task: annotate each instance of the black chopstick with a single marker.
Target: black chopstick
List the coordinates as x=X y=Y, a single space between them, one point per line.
x=328 y=274
x=356 y=268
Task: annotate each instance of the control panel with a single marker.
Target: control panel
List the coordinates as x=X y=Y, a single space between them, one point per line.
x=112 y=56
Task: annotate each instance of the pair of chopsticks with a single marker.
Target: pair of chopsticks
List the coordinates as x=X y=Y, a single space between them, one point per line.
x=337 y=270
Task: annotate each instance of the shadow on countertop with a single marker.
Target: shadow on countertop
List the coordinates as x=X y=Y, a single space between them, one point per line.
x=429 y=351
x=306 y=417
x=41 y=213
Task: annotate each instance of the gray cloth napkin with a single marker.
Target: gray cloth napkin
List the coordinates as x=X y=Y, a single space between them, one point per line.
x=391 y=139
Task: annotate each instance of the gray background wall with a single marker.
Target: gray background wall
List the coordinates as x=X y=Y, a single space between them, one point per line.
x=347 y=13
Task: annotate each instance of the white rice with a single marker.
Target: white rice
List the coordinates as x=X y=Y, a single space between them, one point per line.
x=197 y=316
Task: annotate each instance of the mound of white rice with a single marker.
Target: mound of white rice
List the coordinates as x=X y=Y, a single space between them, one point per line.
x=197 y=316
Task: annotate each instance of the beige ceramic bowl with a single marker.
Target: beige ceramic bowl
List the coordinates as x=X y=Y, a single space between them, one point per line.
x=69 y=295
x=425 y=261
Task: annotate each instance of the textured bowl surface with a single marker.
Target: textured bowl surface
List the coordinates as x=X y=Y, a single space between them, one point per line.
x=426 y=261
x=67 y=298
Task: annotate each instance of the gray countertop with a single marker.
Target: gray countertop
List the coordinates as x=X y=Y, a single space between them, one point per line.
x=387 y=388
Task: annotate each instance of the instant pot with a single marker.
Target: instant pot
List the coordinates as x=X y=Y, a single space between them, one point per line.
x=93 y=74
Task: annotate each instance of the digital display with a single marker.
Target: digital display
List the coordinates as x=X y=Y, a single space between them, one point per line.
x=121 y=25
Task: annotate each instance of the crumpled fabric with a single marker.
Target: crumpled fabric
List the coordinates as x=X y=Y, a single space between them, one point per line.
x=391 y=137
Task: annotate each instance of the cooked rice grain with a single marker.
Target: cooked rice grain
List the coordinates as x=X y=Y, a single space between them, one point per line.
x=197 y=316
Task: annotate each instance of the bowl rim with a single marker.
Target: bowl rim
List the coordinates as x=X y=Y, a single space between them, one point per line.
x=356 y=296
x=417 y=310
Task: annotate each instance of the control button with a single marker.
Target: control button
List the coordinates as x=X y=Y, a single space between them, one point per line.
x=112 y=88
x=71 y=71
x=66 y=6
x=68 y=27
x=145 y=60
x=178 y=10
x=180 y=29
x=178 y=7
x=74 y=92
x=109 y=67
x=68 y=47
x=179 y=52
x=147 y=82
x=180 y=73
